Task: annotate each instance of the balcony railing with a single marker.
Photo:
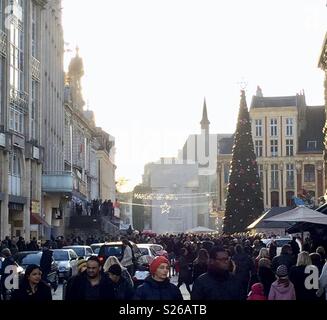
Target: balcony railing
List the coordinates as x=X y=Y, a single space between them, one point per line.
x=57 y=182
x=19 y=99
x=36 y=69
x=80 y=186
x=3 y=43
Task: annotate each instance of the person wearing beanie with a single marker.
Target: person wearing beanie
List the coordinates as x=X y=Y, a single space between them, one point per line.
x=81 y=265
x=123 y=290
x=282 y=288
x=257 y=292
x=157 y=286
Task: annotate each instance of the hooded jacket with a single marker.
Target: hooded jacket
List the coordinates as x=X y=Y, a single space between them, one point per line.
x=256 y=292
x=279 y=291
x=155 y=290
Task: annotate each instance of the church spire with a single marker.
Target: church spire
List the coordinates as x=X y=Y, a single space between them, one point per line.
x=204 y=122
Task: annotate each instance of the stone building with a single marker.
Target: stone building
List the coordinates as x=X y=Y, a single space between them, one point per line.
x=323 y=65
x=21 y=150
x=289 y=147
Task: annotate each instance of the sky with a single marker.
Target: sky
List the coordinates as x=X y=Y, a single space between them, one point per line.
x=150 y=63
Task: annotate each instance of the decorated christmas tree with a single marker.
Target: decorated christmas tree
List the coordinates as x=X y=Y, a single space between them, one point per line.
x=244 y=203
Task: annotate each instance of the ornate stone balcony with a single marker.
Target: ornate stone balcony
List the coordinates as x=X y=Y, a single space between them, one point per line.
x=3 y=44
x=19 y=99
x=36 y=69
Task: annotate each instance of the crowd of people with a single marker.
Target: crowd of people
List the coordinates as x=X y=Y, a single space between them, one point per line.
x=234 y=267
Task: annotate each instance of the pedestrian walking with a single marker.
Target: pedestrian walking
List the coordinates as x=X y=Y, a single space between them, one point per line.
x=257 y=292
x=32 y=287
x=158 y=286
x=282 y=288
x=218 y=283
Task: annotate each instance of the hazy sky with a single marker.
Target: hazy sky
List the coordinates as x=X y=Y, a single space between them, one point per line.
x=149 y=64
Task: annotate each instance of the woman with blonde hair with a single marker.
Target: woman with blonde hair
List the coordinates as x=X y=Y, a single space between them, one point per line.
x=124 y=273
x=263 y=253
x=298 y=276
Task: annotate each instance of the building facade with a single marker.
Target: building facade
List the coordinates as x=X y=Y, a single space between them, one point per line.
x=88 y=154
x=54 y=196
x=289 y=148
x=322 y=64
x=105 y=158
x=21 y=151
x=203 y=149
x=177 y=180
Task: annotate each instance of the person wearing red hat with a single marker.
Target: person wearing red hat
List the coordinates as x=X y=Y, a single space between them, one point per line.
x=157 y=286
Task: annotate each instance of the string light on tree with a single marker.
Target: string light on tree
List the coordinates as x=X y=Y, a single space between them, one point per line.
x=244 y=192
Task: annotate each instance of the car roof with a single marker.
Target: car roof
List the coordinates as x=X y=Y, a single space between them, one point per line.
x=116 y=243
x=77 y=246
x=27 y=252
x=63 y=249
x=98 y=244
x=145 y=245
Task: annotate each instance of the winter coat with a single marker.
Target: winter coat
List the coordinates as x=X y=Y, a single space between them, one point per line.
x=198 y=269
x=185 y=270
x=256 y=292
x=76 y=290
x=127 y=259
x=278 y=291
x=244 y=267
x=24 y=293
x=243 y=272
x=125 y=274
x=155 y=290
x=285 y=259
x=122 y=289
x=45 y=262
x=213 y=286
x=297 y=277
x=266 y=277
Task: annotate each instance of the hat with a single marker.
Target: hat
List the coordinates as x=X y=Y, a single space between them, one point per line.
x=115 y=269
x=282 y=271
x=6 y=252
x=80 y=263
x=156 y=263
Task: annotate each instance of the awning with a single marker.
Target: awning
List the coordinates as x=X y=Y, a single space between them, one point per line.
x=301 y=214
x=37 y=219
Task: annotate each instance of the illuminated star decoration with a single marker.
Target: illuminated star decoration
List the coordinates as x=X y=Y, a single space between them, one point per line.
x=165 y=208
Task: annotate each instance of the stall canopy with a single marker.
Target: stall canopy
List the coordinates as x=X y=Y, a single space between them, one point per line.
x=301 y=214
x=200 y=230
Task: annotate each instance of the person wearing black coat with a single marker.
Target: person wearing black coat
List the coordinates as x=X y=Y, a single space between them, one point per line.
x=200 y=264
x=157 y=286
x=90 y=285
x=297 y=276
x=32 y=287
x=45 y=262
x=185 y=271
x=285 y=258
x=123 y=290
x=218 y=283
x=265 y=275
x=245 y=269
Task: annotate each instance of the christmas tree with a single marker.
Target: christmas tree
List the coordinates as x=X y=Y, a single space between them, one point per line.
x=244 y=203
